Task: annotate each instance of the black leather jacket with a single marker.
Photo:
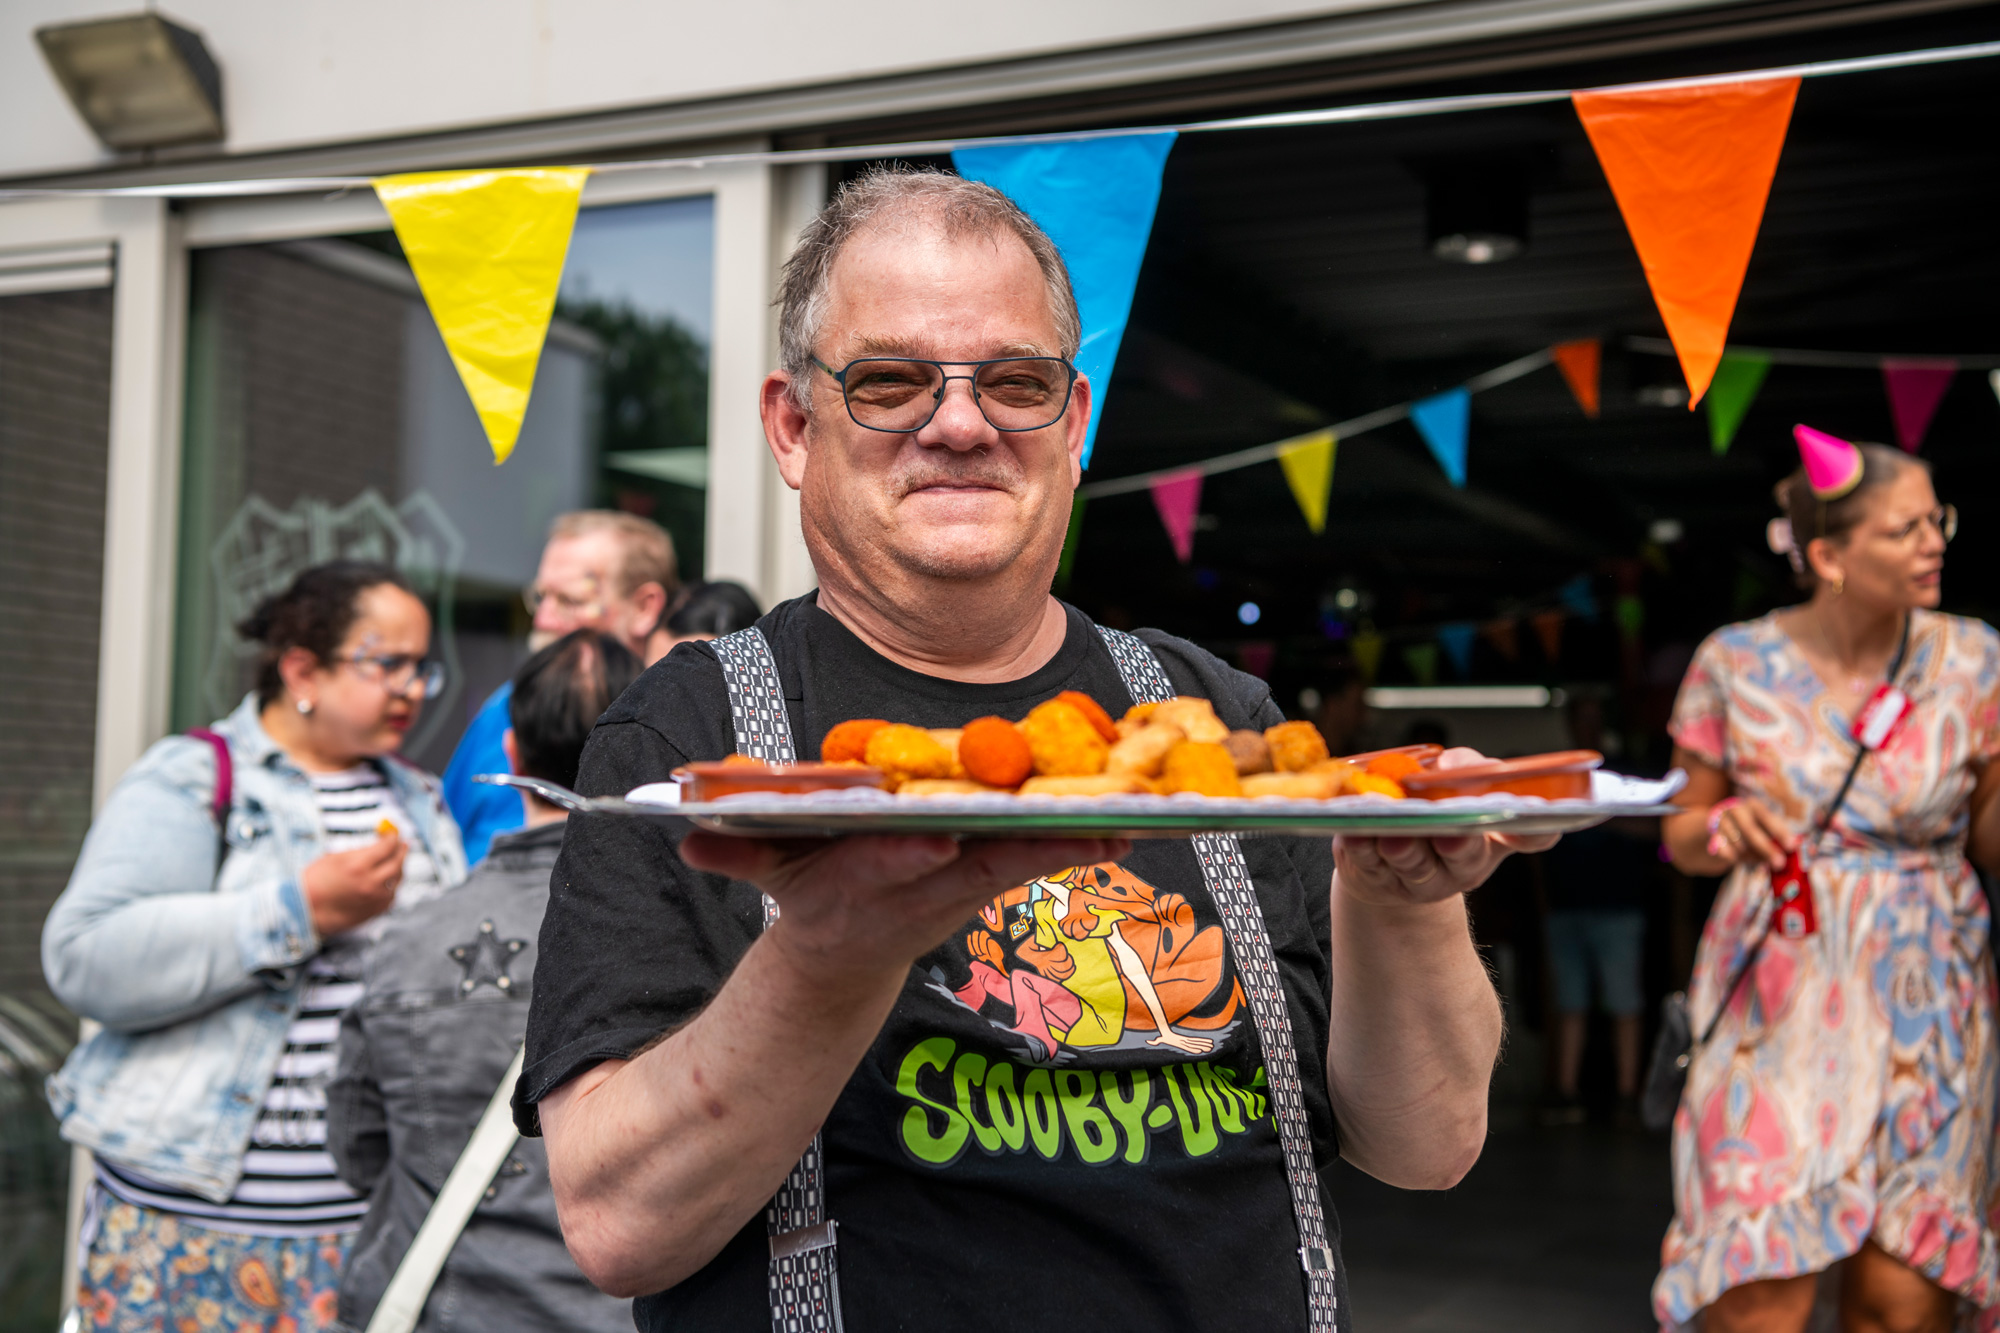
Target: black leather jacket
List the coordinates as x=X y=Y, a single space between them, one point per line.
x=445 y=1008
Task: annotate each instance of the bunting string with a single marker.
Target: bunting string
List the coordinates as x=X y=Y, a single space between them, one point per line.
x=1344 y=115
x=1800 y=356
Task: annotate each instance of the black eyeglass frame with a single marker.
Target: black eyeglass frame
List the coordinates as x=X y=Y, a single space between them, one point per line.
x=937 y=400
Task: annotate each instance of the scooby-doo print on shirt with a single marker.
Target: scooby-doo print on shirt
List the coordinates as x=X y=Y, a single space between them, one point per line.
x=1117 y=1005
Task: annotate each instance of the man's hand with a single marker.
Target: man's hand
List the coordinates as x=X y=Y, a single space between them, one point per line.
x=1402 y=872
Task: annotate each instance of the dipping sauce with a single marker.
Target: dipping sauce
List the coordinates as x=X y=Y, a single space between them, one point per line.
x=710 y=781
x=1564 y=775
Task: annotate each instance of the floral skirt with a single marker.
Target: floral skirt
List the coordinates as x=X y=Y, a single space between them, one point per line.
x=151 y=1272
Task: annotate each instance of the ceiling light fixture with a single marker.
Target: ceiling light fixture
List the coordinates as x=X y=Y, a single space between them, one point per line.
x=138 y=80
x=1476 y=206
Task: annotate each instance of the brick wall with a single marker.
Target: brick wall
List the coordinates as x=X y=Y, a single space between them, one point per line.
x=55 y=403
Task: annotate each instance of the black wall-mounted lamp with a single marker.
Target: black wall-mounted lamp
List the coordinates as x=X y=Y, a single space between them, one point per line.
x=138 y=80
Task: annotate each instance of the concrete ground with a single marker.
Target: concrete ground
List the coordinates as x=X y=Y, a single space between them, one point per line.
x=1554 y=1231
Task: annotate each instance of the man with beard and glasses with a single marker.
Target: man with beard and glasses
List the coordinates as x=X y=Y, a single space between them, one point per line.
x=601 y=569
x=809 y=1118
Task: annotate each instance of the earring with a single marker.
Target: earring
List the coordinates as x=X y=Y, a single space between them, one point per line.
x=305 y=708
x=1839 y=584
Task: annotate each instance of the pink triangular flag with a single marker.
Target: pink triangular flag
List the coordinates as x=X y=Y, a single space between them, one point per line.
x=1178 y=498
x=1916 y=387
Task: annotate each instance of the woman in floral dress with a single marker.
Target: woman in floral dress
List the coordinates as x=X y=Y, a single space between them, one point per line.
x=1844 y=1110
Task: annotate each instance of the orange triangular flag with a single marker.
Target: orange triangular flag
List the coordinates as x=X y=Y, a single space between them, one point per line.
x=1578 y=361
x=1691 y=169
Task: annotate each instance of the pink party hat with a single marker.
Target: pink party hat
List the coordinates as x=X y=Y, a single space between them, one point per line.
x=1833 y=466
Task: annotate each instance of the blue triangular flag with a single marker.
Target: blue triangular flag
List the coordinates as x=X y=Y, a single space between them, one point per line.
x=1456 y=639
x=1579 y=597
x=1442 y=419
x=1095 y=199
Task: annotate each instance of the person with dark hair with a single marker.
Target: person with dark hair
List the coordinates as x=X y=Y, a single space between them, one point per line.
x=1840 y=1109
x=708 y=611
x=216 y=925
x=444 y=1005
x=601 y=569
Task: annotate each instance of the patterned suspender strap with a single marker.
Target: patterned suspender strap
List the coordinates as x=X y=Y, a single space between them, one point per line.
x=1236 y=900
x=804 y=1278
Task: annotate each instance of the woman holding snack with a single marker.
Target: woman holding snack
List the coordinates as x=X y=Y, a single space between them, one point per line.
x=1842 y=1109
x=216 y=925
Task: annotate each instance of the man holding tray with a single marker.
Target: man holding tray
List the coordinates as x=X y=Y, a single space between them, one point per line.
x=974 y=1085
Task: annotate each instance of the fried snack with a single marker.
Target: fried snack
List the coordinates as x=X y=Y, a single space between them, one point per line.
x=904 y=752
x=1144 y=751
x=1342 y=773
x=848 y=742
x=992 y=750
x=1295 y=746
x=1249 y=751
x=948 y=738
x=940 y=787
x=1093 y=710
x=1293 y=786
x=1194 y=716
x=742 y=761
x=1374 y=784
x=1140 y=714
x=387 y=828
x=1394 y=766
x=1203 y=767
x=1096 y=784
x=1063 y=741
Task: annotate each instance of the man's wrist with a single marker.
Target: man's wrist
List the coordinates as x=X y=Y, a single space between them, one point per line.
x=834 y=978
x=1399 y=913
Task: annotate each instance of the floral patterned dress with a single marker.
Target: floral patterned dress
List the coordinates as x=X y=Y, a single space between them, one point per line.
x=1850 y=1088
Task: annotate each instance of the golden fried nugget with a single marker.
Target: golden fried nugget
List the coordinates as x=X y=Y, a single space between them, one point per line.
x=993 y=751
x=1374 y=784
x=904 y=752
x=1096 y=784
x=1139 y=714
x=941 y=787
x=1295 y=746
x=387 y=828
x=1203 y=767
x=1062 y=741
x=1194 y=716
x=1144 y=751
x=1249 y=751
x=1342 y=773
x=849 y=740
x=1093 y=710
x=1293 y=786
x=948 y=737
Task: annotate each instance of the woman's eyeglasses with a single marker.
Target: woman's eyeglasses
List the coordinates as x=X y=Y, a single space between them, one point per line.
x=1944 y=518
x=400 y=673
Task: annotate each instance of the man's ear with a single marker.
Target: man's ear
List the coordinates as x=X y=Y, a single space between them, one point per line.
x=512 y=751
x=649 y=601
x=1076 y=427
x=784 y=428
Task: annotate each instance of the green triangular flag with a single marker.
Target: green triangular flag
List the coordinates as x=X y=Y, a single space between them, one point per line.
x=1308 y=465
x=1422 y=660
x=1730 y=393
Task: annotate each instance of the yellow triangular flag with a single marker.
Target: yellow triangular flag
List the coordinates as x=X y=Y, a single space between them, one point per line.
x=1308 y=465
x=488 y=248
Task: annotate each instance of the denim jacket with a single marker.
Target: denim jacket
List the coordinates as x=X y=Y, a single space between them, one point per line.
x=195 y=971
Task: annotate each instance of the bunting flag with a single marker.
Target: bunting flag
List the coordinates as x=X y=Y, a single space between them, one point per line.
x=1691 y=168
x=1630 y=612
x=1916 y=387
x=1505 y=637
x=1456 y=639
x=1422 y=660
x=487 y=249
x=1442 y=420
x=1549 y=629
x=1578 y=597
x=1066 y=563
x=1580 y=362
x=1256 y=657
x=1178 y=498
x=1308 y=466
x=1095 y=198
x=1367 y=647
x=1737 y=379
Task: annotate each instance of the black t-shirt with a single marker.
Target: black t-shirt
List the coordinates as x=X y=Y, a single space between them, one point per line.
x=1017 y=1150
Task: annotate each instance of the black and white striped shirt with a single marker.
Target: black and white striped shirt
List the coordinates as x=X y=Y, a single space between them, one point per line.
x=289 y=1186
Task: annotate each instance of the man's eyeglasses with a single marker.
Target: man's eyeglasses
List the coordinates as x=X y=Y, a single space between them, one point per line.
x=588 y=608
x=902 y=394
x=400 y=673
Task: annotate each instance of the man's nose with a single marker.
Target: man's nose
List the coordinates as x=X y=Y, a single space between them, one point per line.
x=958 y=424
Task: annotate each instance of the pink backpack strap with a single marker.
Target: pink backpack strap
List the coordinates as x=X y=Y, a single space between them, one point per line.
x=225 y=772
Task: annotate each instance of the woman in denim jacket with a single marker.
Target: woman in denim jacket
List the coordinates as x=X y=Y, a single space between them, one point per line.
x=218 y=960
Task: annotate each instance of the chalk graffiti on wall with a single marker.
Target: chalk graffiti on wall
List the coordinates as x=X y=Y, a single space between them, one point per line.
x=262 y=548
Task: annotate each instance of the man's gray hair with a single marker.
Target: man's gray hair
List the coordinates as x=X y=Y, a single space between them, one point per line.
x=961 y=207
